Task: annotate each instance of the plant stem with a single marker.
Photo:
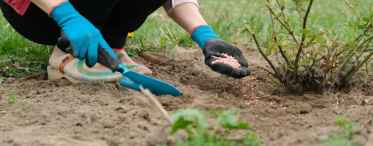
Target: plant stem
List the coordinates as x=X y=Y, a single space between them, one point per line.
x=274 y=33
x=282 y=23
x=282 y=8
x=356 y=68
x=282 y=52
x=305 y=20
x=351 y=53
x=276 y=73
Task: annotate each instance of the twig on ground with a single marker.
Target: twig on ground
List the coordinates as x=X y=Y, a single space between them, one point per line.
x=156 y=104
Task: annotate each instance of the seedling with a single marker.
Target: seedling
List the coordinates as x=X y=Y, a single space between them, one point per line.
x=344 y=136
x=202 y=133
x=12 y=99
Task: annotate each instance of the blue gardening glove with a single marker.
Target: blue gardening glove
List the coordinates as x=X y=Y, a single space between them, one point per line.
x=213 y=48
x=84 y=37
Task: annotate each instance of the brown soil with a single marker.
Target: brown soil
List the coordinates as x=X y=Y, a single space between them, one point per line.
x=60 y=113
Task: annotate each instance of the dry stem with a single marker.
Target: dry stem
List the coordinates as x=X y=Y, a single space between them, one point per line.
x=276 y=73
x=156 y=104
x=284 y=24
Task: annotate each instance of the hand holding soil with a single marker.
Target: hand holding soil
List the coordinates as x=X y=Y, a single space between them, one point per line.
x=228 y=60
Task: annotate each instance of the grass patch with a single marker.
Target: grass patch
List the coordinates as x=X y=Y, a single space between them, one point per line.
x=344 y=137
x=18 y=56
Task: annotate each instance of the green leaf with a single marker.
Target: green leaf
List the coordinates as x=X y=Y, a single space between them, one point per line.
x=184 y=119
x=344 y=123
x=340 y=141
x=12 y=99
x=229 y=120
x=251 y=139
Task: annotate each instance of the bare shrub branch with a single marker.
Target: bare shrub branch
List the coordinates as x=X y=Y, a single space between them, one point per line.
x=276 y=73
x=283 y=23
x=305 y=20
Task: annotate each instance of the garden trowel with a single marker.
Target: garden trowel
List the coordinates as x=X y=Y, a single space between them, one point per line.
x=131 y=79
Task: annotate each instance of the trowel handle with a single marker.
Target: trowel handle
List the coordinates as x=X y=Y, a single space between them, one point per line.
x=103 y=56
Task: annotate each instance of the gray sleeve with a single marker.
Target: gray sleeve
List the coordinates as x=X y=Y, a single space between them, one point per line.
x=170 y=4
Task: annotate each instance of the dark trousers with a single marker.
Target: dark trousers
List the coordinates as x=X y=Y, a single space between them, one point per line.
x=114 y=18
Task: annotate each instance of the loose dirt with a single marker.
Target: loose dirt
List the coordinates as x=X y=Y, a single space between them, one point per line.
x=60 y=113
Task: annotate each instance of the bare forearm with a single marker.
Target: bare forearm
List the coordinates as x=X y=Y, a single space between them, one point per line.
x=235 y=65
x=187 y=16
x=47 y=5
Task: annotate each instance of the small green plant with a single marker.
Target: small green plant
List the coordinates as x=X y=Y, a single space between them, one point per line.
x=344 y=136
x=308 y=58
x=201 y=133
x=12 y=99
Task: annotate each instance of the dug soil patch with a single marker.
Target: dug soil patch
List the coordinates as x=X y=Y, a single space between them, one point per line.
x=37 y=112
x=48 y=113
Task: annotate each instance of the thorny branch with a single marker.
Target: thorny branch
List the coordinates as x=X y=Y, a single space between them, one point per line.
x=356 y=68
x=283 y=23
x=276 y=73
x=279 y=46
x=305 y=20
x=282 y=52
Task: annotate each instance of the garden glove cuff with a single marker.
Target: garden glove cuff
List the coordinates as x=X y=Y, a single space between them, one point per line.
x=84 y=37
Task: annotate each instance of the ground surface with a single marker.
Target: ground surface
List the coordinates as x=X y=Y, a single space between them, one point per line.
x=65 y=114
x=61 y=113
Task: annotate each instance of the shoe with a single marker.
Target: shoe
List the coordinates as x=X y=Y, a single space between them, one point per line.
x=64 y=65
x=123 y=56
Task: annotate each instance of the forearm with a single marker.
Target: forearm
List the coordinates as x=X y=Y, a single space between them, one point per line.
x=47 y=5
x=187 y=16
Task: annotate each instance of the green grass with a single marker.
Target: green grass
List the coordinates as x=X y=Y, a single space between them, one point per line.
x=344 y=137
x=12 y=99
x=19 y=56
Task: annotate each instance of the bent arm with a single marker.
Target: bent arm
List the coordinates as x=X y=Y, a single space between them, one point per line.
x=187 y=15
x=47 y=5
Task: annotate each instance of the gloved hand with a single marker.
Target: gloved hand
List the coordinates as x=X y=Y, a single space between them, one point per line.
x=215 y=49
x=84 y=37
